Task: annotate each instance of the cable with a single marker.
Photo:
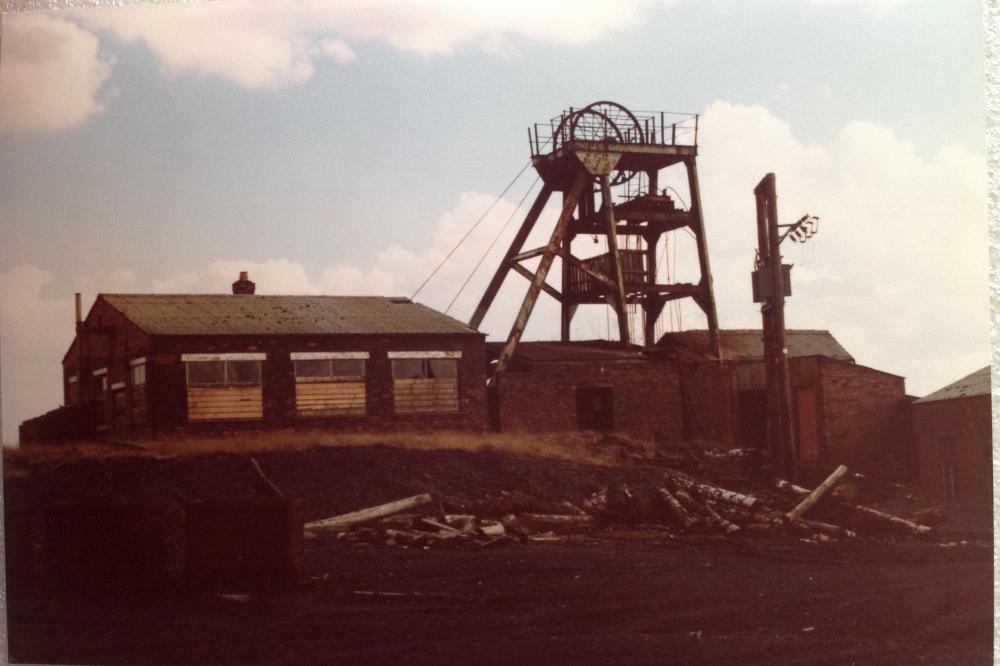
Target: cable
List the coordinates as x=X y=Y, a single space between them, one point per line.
x=469 y=232
x=492 y=243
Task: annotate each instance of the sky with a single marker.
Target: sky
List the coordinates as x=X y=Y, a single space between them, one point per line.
x=345 y=148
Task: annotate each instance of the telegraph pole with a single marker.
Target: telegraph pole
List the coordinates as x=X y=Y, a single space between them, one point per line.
x=771 y=282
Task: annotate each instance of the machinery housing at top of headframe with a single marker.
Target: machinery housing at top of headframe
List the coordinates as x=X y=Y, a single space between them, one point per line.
x=611 y=124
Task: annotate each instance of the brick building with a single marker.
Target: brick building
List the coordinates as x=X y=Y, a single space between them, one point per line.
x=143 y=365
x=954 y=443
x=843 y=412
x=595 y=385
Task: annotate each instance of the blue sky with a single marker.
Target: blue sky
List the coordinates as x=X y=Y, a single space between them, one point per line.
x=339 y=151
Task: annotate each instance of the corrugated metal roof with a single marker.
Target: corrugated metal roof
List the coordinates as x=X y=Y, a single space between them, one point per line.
x=226 y=314
x=748 y=344
x=577 y=350
x=978 y=383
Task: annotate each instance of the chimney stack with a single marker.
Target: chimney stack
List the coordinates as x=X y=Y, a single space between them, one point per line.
x=244 y=285
x=79 y=310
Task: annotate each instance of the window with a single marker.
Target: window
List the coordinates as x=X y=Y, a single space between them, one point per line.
x=330 y=369
x=72 y=392
x=330 y=383
x=425 y=381
x=137 y=373
x=424 y=368
x=99 y=386
x=223 y=373
x=224 y=386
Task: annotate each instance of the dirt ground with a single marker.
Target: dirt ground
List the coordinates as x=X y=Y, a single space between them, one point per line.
x=625 y=594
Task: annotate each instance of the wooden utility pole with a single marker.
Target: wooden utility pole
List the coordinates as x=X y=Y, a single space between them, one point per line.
x=770 y=279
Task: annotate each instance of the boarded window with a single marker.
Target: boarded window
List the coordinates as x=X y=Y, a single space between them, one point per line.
x=330 y=386
x=425 y=385
x=224 y=389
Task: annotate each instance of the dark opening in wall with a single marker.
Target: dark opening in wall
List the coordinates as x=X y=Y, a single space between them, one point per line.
x=595 y=408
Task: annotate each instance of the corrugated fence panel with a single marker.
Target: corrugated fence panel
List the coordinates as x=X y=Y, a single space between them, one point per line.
x=425 y=395
x=330 y=398
x=227 y=402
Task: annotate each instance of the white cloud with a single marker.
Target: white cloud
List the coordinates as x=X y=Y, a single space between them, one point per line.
x=338 y=50
x=35 y=331
x=52 y=74
x=899 y=269
x=879 y=8
x=270 y=44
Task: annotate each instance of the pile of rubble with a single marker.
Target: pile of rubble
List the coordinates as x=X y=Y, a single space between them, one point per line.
x=682 y=505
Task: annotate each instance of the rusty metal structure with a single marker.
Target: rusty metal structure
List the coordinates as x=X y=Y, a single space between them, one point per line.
x=593 y=156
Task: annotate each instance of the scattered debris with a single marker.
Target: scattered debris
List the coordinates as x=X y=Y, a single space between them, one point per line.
x=682 y=505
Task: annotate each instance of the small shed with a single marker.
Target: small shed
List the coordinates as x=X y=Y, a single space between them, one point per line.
x=142 y=365
x=954 y=443
x=843 y=412
x=588 y=385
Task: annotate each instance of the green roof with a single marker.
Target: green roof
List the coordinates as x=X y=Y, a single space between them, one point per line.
x=226 y=314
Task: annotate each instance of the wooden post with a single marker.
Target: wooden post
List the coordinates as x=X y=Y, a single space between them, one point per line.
x=817 y=493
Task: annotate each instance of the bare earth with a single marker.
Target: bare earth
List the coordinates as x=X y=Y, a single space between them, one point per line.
x=630 y=594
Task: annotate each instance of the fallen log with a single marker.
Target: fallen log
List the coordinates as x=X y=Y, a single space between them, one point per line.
x=781 y=484
x=914 y=527
x=728 y=526
x=559 y=520
x=710 y=492
x=817 y=494
x=441 y=527
x=827 y=528
x=346 y=520
x=677 y=509
x=889 y=518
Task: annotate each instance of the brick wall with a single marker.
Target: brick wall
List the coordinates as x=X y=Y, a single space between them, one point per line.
x=709 y=404
x=862 y=418
x=646 y=397
x=965 y=426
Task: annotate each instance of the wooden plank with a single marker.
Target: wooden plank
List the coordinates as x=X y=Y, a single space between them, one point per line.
x=331 y=388
x=330 y=398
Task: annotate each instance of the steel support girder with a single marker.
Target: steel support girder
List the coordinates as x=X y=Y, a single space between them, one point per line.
x=615 y=260
x=582 y=180
x=547 y=288
x=522 y=235
x=706 y=299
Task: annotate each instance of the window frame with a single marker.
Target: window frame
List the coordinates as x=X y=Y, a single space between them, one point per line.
x=329 y=357
x=227 y=360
